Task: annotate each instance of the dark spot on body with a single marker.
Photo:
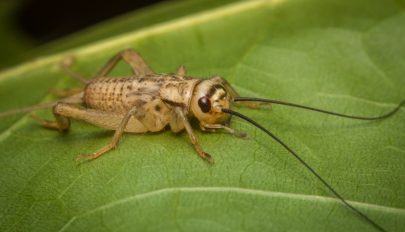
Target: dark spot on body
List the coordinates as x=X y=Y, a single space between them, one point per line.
x=218 y=86
x=134 y=94
x=157 y=108
x=140 y=115
x=139 y=103
x=174 y=103
x=213 y=89
x=170 y=85
x=182 y=88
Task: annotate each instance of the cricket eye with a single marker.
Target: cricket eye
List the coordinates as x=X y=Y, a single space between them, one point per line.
x=204 y=104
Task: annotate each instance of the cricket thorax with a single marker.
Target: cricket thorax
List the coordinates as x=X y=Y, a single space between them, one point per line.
x=178 y=91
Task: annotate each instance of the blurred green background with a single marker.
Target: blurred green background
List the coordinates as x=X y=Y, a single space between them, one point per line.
x=34 y=28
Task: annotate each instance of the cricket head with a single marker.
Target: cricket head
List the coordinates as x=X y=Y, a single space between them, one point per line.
x=209 y=98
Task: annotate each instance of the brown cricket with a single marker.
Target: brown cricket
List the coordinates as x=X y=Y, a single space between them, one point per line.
x=144 y=102
x=149 y=102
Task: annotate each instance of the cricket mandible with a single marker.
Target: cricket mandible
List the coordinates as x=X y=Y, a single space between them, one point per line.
x=151 y=102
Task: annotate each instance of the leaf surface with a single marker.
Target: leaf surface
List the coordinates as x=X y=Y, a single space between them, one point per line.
x=345 y=56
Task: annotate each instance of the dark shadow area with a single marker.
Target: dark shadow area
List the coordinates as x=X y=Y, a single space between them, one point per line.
x=46 y=20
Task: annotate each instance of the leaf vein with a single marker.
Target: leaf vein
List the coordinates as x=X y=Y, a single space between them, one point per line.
x=246 y=191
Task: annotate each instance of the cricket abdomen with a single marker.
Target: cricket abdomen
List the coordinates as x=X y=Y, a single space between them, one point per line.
x=106 y=94
x=119 y=95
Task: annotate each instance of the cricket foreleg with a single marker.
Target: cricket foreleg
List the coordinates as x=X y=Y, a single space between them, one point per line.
x=130 y=56
x=214 y=127
x=116 y=138
x=192 y=137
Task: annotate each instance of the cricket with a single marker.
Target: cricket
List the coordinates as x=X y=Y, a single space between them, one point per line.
x=150 y=102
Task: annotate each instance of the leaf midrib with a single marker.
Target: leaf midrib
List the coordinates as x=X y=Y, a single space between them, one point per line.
x=238 y=190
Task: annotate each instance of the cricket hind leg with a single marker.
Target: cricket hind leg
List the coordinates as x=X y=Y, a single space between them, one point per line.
x=61 y=123
x=114 y=142
x=66 y=64
x=130 y=56
x=118 y=122
x=63 y=93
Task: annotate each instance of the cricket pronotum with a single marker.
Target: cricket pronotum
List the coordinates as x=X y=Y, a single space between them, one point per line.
x=149 y=102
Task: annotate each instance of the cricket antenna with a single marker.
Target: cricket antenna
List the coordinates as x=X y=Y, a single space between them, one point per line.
x=253 y=99
x=324 y=182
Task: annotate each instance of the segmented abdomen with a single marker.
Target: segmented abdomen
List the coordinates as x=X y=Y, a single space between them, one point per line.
x=119 y=94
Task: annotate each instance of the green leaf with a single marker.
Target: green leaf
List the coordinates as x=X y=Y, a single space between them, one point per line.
x=17 y=47
x=345 y=56
x=143 y=17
